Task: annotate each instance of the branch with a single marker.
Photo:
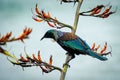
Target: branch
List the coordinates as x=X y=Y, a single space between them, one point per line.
x=54 y=67
x=31 y=61
x=5 y=52
x=69 y=1
x=28 y=61
x=65 y=67
x=77 y=16
x=7 y=38
x=97 y=12
x=52 y=22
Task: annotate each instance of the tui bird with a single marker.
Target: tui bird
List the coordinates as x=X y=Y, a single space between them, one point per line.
x=72 y=44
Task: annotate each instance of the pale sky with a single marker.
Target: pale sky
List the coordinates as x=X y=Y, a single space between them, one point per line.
x=16 y=14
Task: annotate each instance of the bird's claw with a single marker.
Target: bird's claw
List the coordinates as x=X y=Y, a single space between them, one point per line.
x=66 y=64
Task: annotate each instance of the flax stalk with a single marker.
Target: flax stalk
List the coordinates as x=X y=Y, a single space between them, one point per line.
x=65 y=68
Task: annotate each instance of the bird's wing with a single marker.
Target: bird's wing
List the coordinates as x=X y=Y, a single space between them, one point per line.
x=76 y=43
x=83 y=48
x=73 y=41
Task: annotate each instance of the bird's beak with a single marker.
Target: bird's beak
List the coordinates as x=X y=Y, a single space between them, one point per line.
x=42 y=38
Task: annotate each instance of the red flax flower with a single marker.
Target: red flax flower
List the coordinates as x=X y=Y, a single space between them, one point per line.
x=41 y=15
x=107 y=14
x=97 y=9
x=38 y=20
x=102 y=51
x=45 y=15
x=24 y=34
x=23 y=59
x=6 y=37
x=39 y=57
x=30 y=61
x=50 y=60
x=34 y=58
x=106 y=10
x=97 y=12
x=93 y=46
x=36 y=9
x=50 y=24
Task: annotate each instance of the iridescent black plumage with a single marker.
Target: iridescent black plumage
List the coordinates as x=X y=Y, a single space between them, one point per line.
x=72 y=44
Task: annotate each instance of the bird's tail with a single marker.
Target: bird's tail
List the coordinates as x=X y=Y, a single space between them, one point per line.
x=95 y=55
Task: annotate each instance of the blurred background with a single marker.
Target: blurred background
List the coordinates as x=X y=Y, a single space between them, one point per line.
x=15 y=15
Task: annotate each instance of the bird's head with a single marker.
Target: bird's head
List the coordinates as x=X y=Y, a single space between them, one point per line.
x=50 y=34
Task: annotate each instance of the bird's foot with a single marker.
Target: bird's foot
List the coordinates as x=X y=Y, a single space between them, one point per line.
x=66 y=64
x=68 y=59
